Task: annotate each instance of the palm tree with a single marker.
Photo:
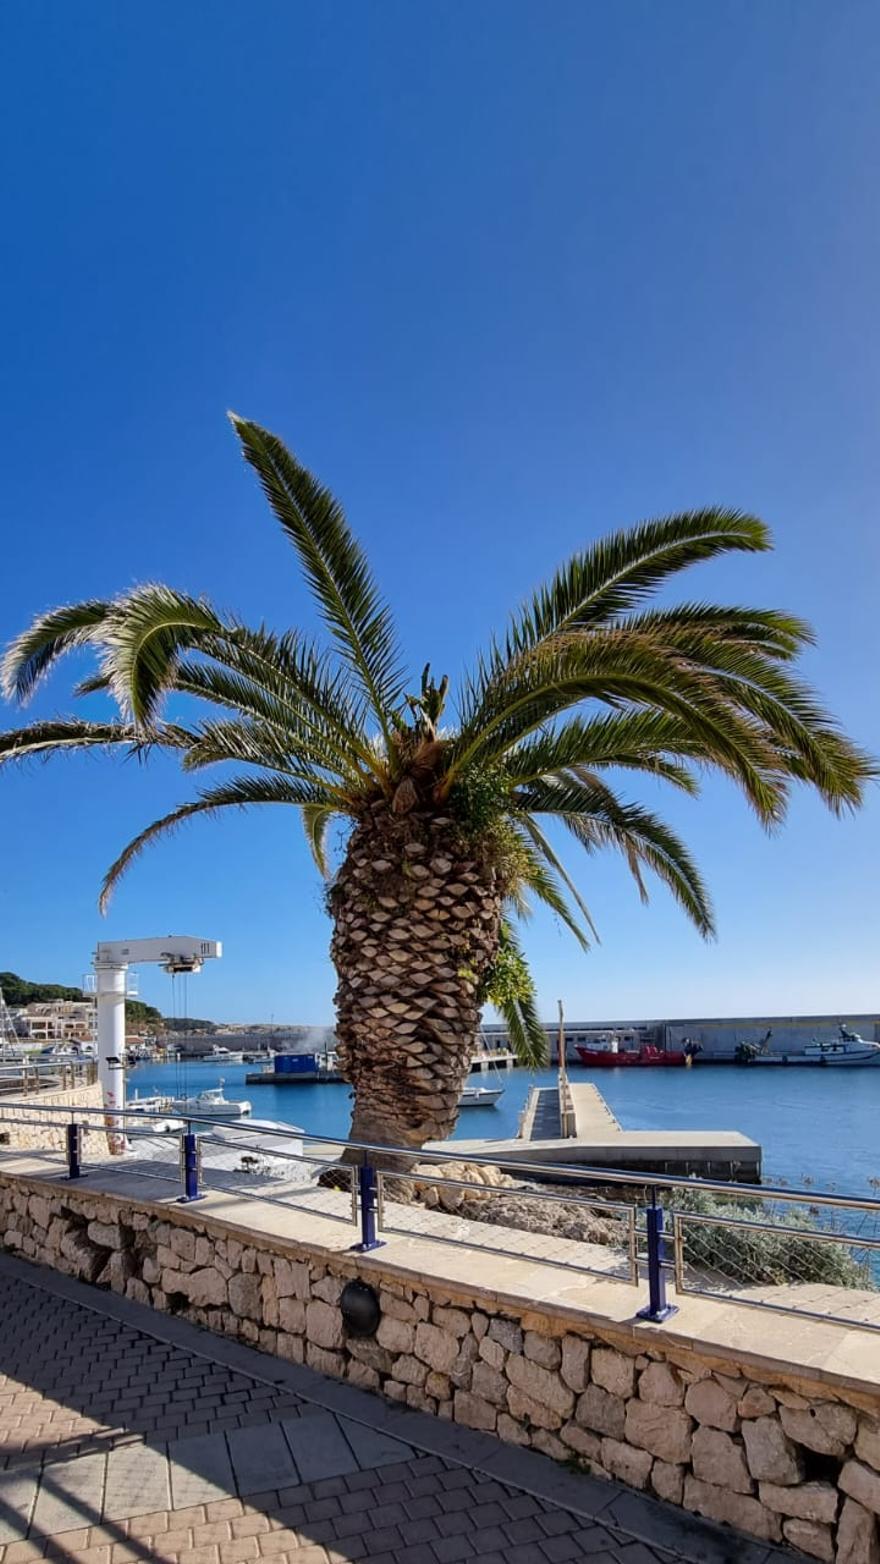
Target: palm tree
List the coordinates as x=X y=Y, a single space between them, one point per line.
x=447 y=819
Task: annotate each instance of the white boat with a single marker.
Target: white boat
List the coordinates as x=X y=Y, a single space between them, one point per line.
x=221 y=1055
x=480 y=1096
x=210 y=1104
x=847 y=1049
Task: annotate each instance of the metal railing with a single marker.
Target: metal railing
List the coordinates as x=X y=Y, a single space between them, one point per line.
x=31 y=1075
x=801 y=1252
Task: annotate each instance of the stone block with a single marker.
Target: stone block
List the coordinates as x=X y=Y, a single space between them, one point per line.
x=436 y=1347
x=394 y=1308
x=245 y=1297
x=613 y=1371
x=511 y=1431
x=203 y=1288
x=324 y=1325
x=540 y=1385
x=105 y=1234
x=660 y=1385
x=409 y=1370
x=665 y=1431
x=717 y=1458
x=507 y=1333
x=439 y=1386
x=182 y=1243
x=292 y=1279
x=332 y=1363
x=732 y=1509
x=586 y=1444
x=868 y=1442
x=540 y=1349
x=811 y=1538
x=455 y=1321
x=291 y=1348
x=292 y=1316
x=492 y=1352
x=359 y=1374
x=328 y=1289
x=756 y=1402
x=396 y=1334
x=550 y=1444
x=40 y=1210
x=770 y=1453
x=490 y=1384
x=827 y=1428
x=667 y=1481
x=598 y=1410
x=474 y=1411
x=861 y=1483
x=628 y=1465
x=857 y=1541
x=805 y=1501
x=575 y=1362
x=531 y=1412
x=709 y=1403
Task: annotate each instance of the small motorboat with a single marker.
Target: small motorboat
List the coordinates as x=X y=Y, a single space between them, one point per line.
x=480 y=1096
x=210 y=1104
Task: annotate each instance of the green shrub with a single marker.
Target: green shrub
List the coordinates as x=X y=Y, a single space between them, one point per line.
x=769 y=1256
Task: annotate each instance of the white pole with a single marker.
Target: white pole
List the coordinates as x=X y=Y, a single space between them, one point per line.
x=110 y=1002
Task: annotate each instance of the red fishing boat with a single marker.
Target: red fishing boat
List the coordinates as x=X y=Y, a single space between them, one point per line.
x=609 y=1055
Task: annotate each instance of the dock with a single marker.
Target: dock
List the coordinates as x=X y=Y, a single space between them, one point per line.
x=599 y=1142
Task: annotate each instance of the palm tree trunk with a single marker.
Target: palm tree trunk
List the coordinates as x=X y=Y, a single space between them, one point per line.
x=416 y=914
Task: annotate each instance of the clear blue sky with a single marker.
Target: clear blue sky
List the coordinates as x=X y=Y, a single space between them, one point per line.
x=505 y=275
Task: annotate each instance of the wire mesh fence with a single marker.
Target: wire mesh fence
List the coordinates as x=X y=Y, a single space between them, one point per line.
x=567 y=1228
x=800 y=1253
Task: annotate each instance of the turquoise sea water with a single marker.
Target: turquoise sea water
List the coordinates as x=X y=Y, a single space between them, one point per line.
x=820 y=1125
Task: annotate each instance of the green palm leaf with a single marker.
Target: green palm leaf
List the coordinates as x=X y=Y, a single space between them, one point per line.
x=334 y=564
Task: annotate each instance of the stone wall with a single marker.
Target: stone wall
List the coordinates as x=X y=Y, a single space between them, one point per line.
x=775 y=1453
x=21 y=1127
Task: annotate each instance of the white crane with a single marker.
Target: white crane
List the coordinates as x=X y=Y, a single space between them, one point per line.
x=111 y=961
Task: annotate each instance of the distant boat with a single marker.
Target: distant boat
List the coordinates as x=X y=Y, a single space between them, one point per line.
x=607 y=1054
x=221 y=1055
x=480 y=1096
x=210 y=1104
x=847 y=1049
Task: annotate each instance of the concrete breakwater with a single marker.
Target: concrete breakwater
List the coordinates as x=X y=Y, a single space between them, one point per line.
x=599 y=1142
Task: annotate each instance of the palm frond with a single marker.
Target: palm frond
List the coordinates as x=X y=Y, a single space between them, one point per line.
x=541 y=878
x=143 y=635
x=543 y=847
x=637 y=739
x=526 y=1035
x=334 y=564
x=316 y=819
x=30 y=656
x=595 y=816
x=59 y=735
x=238 y=793
x=618 y=572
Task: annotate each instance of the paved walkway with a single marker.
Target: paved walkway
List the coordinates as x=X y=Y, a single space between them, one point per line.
x=129 y=1436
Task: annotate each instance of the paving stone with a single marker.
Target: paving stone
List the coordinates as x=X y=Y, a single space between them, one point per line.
x=71 y=1495
x=319 y=1446
x=260 y=1461
x=200 y=1470
x=137 y=1482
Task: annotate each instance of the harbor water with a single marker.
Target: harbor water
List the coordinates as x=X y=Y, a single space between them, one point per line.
x=814 y=1125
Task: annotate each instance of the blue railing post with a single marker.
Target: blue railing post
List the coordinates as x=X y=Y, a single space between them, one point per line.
x=74 y=1150
x=657 y=1307
x=189 y=1167
x=368 y=1198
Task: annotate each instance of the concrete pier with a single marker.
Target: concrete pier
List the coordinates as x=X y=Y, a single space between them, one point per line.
x=600 y=1142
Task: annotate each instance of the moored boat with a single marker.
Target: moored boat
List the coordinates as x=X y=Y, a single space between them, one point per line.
x=607 y=1054
x=480 y=1096
x=848 y=1049
x=210 y=1104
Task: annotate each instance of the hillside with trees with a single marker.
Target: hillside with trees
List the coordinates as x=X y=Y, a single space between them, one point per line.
x=20 y=991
